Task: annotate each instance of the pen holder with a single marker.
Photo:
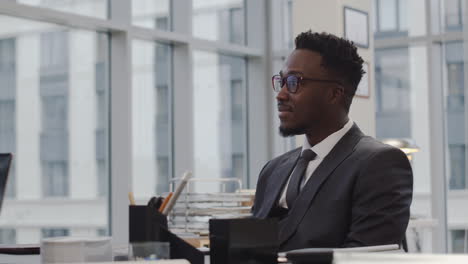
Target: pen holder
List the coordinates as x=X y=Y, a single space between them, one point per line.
x=145 y=223
x=148 y=224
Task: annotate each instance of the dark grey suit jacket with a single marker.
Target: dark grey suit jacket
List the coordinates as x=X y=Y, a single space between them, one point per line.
x=359 y=195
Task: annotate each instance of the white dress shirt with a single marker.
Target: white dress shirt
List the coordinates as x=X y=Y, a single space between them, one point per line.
x=321 y=149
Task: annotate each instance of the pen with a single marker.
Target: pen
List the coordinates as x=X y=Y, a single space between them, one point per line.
x=131 y=198
x=165 y=202
x=177 y=192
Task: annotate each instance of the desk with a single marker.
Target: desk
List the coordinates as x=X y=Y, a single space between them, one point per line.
x=36 y=259
x=359 y=258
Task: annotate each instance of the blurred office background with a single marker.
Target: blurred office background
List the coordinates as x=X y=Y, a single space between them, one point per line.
x=102 y=97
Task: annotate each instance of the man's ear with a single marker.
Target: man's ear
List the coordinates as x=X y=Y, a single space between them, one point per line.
x=337 y=94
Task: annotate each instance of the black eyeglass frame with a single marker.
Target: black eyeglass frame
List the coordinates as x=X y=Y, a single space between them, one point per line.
x=300 y=79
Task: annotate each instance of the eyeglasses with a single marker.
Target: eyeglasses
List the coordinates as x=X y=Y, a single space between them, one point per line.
x=292 y=82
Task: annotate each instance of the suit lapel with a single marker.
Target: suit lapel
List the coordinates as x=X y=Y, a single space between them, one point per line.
x=339 y=153
x=277 y=181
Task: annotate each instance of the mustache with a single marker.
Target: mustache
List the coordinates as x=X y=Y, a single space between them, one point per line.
x=283 y=107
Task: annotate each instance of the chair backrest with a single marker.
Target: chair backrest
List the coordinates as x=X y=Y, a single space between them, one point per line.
x=5 y=163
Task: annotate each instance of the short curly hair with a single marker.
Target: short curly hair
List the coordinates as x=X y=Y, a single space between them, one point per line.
x=339 y=56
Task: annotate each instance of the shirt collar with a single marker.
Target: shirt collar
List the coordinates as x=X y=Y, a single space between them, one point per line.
x=326 y=145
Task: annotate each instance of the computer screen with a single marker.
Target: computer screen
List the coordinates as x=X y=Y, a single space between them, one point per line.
x=5 y=162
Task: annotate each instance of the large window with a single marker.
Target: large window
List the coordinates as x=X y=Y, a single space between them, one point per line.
x=459 y=241
x=420 y=94
x=219 y=114
x=456 y=140
x=152 y=13
x=454 y=15
x=115 y=99
x=152 y=147
x=219 y=20
x=402 y=113
x=393 y=93
x=53 y=111
x=397 y=18
x=94 y=8
x=455 y=113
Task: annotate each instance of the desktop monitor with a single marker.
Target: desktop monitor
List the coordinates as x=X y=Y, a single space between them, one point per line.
x=5 y=163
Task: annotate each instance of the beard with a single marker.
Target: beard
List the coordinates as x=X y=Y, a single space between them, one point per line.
x=292 y=131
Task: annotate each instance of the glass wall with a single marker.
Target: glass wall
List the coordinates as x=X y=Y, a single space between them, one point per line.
x=151 y=100
x=54 y=119
x=453 y=16
x=455 y=114
x=219 y=115
x=399 y=18
x=73 y=94
x=407 y=76
x=94 y=8
x=221 y=20
x=152 y=14
x=282 y=45
x=401 y=96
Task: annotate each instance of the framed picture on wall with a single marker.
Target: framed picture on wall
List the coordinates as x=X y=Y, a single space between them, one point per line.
x=363 y=89
x=356 y=26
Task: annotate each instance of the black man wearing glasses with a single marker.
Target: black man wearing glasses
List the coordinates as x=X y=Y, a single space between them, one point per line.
x=341 y=188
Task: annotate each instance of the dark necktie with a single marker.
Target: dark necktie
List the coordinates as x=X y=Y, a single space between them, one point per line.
x=294 y=185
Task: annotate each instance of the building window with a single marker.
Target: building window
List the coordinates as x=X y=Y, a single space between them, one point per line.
x=456 y=84
x=54 y=232
x=152 y=127
x=152 y=14
x=103 y=179
x=391 y=18
x=54 y=115
x=237 y=100
x=459 y=240
x=7 y=236
x=220 y=125
x=162 y=105
x=54 y=146
x=392 y=93
x=101 y=232
x=102 y=115
x=54 y=50
x=163 y=165
x=223 y=21
x=453 y=15
x=236 y=25
x=55 y=179
x=162 y=23
x=457 y=166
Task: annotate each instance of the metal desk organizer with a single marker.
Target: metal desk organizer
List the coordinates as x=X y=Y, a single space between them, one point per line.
x=194 y=209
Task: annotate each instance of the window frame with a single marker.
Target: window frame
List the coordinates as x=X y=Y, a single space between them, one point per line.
x=121 y=32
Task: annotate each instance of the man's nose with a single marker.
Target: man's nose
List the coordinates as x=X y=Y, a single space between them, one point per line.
x=283 y=94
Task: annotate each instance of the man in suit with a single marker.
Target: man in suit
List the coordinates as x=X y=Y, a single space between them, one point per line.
x=342 y=188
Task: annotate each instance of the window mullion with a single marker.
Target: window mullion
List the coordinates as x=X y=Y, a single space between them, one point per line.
x=120 y=121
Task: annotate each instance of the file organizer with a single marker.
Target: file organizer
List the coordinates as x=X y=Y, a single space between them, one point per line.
x=147 y=224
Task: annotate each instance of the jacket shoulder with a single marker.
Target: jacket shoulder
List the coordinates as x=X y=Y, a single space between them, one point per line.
x=371 y=146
